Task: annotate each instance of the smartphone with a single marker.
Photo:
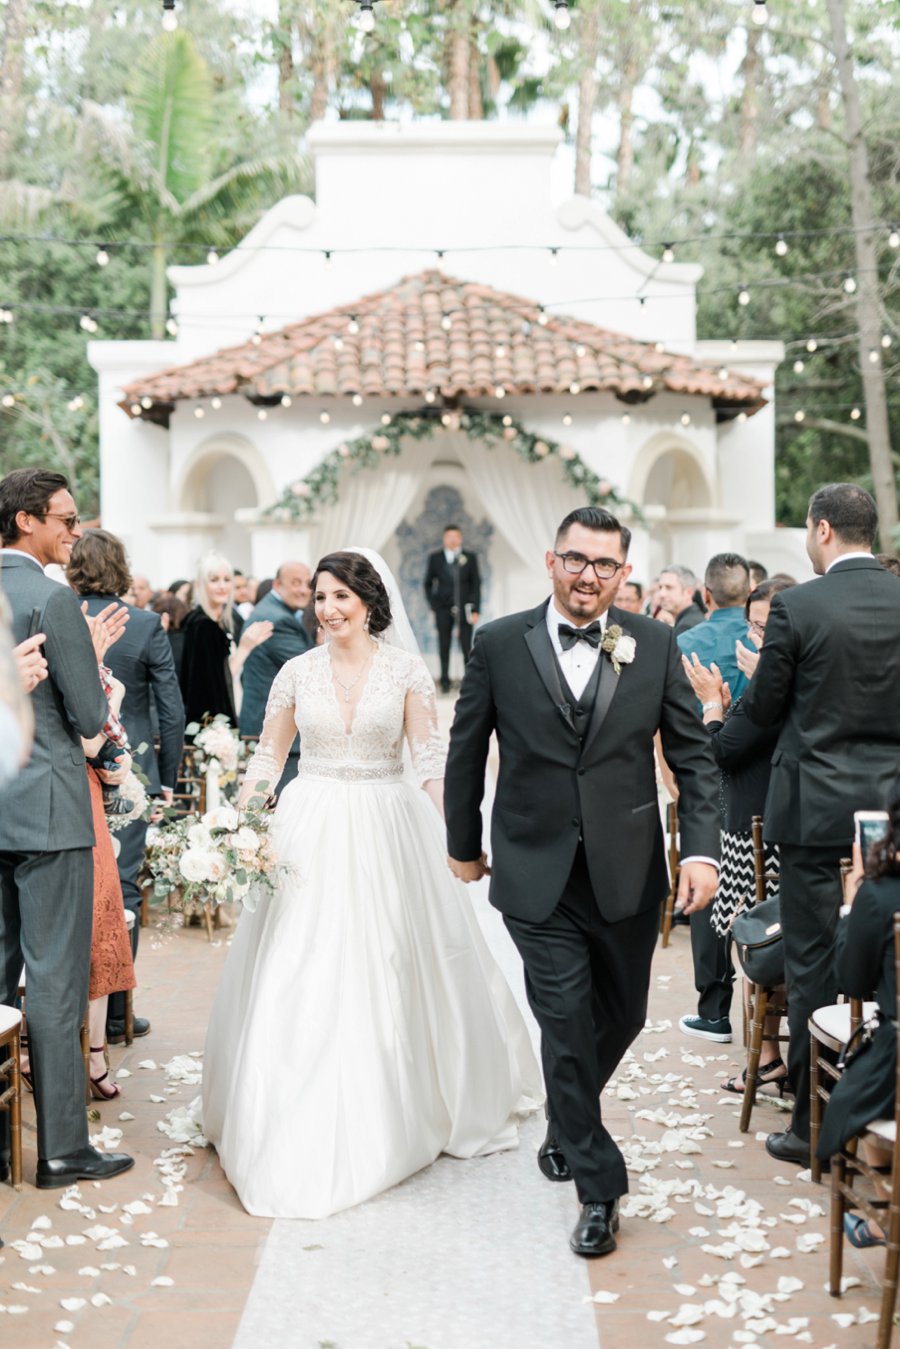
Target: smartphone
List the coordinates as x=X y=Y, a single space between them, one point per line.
x=869 y=827
x=34 y=623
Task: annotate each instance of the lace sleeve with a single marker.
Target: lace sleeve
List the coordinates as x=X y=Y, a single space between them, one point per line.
x=420 y=725
x=278 y=732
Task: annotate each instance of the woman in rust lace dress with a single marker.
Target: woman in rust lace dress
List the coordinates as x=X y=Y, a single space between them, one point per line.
x=112 y=965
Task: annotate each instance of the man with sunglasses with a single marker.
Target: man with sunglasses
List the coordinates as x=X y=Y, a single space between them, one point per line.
x=575 y=691
x=46 y=830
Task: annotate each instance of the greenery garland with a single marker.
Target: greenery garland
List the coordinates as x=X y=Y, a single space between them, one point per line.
x=301 y=499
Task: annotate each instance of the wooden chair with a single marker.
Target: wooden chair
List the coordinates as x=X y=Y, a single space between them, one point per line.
x=848 y=1164
x=11 y=1094
x=763 y=1001
x=668 y=911
x=829 y=1030
x=189 y=796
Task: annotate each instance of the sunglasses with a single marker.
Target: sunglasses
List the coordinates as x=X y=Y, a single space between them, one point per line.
x=71 y=522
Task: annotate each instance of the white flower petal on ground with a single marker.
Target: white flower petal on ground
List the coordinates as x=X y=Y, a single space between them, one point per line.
x=150 y=1064
x=101 y=1300
x=601 y=1296
x=781 y=1180
x=698 y=1231
x=864 y=1316
x=64 y=1327
x=26 y=1288
x=75 y=1240
x=151 y=1239
x=126 y=1115
x=27 y=1250
x=793 y=1326
x=158 y=1100
x=788 y=1284
x=41 y=1224
x=687 y=1336
x=137 y=1206
x=72 y=1304
x=808 y=1241
x=123 y=1072
x=163 y=1281
x=843 y=1319
x=89 y=1272
x=658 y=1316
x=780 y=1253
x=51 y=1243
x=684 y=1289
x=46 y=1270
x=688 y=1314
x=670 y=1261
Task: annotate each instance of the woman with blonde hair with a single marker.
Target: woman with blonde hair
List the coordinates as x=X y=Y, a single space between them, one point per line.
x=216 y=644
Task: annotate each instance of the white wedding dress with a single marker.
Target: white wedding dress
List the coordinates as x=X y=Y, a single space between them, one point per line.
x=361 y=1027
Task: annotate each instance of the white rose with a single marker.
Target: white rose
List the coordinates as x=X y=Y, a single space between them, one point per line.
x=199 y=836
x=624 y=649
x=216 y=867
x=223 y=817
x=193 y=865
x=244 y=840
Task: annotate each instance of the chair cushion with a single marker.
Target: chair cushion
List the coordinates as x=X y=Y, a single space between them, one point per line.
x=10 y=1018
x=886 y=1129
x=835 y=1020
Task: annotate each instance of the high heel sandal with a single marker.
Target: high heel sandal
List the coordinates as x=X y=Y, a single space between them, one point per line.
x=98 y=1091
x=772 y=1074
x=859 y=1233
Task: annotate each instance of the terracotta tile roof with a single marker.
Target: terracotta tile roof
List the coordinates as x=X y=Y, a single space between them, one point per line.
x=457 y=339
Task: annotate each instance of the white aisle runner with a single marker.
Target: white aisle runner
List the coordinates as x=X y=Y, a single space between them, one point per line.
x=464 y=1255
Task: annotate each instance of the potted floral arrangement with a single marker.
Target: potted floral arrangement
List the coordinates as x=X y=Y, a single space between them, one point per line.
x=197 y=863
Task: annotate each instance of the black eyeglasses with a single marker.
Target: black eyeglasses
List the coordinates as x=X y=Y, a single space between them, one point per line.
x=605 y=568
x=70 y=521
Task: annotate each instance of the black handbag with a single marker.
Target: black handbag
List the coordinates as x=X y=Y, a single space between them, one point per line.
x=758 y=941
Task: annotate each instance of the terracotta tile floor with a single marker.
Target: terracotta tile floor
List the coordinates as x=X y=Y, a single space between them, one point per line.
x=214 y=1248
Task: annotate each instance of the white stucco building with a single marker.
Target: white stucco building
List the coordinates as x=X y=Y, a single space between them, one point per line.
x=513 y=303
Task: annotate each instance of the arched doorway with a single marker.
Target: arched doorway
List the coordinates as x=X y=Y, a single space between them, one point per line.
x=222 y=477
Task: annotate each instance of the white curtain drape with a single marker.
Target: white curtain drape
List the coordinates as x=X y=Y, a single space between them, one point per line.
x=371 y=505
x=526 y=502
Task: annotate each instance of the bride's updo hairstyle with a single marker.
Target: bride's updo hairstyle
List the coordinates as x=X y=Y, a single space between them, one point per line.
x=357 y=573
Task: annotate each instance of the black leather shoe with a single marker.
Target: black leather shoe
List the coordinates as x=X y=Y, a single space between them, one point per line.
x=115 y=1030
x=788 y=1147
x=88 y=1164
x=552 y=1161
x=593 y=1233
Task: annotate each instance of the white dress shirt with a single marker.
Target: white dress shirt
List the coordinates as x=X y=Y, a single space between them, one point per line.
x=845 y=557
x=451 y=555
x=20 y=552
x=580 y=661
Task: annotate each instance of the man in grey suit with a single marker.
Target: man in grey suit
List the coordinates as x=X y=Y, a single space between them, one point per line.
x=46 y=833
x=283 y=608
x=142 y=660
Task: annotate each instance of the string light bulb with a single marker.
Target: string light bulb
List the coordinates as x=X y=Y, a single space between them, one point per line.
x=799 y=367
x=812 y=345
x=215 y=403
x=366 y=16
x=567 y=419
x=102 y=257
x=561 y=17
x=685 y=419
x=286 y=400
x=855 y=414
x=668 y=254
x=626 y=418
x=554 y=256
x=7 y=316
x=212 y=257
x=886 y=341
x=261 y=415
x=170 y=18
x=743 y=296
x=849 y=284
x=326 y=260
x=324 y=418
x=874 y=356
x=171 y=327
x=781 y=246
x=353 y=326
x=799 y=415
x=760 y=15
x=357 y=400
x=894 y=239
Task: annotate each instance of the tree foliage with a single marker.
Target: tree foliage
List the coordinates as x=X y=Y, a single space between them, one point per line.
x=687 y=123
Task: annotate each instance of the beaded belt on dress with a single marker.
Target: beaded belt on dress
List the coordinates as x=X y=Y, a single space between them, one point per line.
x=389 y=771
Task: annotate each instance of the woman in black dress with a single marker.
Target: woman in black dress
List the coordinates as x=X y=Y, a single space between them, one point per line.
x=216 y=644
x=743 y=752
x=864 y=961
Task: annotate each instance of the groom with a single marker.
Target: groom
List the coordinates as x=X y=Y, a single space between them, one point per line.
x=575 y=692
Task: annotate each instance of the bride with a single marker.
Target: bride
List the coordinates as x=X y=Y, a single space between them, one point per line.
x=361 y=1026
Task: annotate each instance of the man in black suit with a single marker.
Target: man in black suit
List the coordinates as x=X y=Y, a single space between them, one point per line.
x=575 y=691
x=830 y=670
x=142 y=659
x=453 y=589
x=677 y=594
x=46 y=830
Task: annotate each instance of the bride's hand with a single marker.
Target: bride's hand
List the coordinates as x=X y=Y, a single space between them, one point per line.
x=469 y=871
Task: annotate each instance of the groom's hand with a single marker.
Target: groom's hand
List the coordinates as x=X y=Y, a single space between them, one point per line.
x=469 y=871
x=697 y=884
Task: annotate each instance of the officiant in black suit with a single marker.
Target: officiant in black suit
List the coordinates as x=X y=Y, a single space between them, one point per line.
x=453 y=590
x=575 y=691
x=829 y=670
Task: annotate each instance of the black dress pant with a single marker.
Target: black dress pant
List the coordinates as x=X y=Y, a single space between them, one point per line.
x=446 y=620
x=587 y=982
x=713 y=970
x=810 y=900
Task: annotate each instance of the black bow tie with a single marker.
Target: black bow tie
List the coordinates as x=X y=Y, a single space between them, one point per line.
x=592 y=634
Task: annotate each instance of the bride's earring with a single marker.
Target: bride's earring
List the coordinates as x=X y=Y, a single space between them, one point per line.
x=366 y=623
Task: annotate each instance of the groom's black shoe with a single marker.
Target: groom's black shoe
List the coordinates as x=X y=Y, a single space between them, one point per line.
x=88 y=1164
x=593 y=1233
x=551 y=1159
x=788 y=1147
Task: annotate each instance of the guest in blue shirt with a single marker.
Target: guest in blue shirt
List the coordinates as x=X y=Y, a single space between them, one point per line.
x=726 y=587
x=713 y=642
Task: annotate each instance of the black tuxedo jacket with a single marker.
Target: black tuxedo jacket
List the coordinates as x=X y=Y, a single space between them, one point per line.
x=553 y=787
x=830 y=669
x=142 y=659
x=440 y=582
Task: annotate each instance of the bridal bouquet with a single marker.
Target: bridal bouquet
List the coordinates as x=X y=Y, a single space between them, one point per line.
x=222 y=855
x=132 y=789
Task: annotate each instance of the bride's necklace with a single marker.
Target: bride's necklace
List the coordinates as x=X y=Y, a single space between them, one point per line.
x=348 y=688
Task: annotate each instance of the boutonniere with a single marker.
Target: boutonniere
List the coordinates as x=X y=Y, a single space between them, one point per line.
x=619 y=646
x=462 y=559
